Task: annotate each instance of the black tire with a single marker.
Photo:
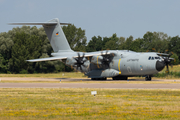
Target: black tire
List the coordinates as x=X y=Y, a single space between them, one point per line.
x=92 y=78
x=104 y=78
x=148 y=78
x=120 y=78
x=125 y=78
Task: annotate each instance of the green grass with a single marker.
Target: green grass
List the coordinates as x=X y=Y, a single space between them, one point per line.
x=89 y=81
x=39 y=103
x=49 y=75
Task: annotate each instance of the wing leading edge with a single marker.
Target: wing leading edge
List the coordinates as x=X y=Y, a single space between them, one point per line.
x=46 y=59
x=63 y=57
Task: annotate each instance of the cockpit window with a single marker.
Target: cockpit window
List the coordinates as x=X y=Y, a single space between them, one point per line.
x=152 y=58
x=157 y=57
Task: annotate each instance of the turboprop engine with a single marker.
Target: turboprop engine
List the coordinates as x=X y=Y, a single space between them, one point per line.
x=97 y=60
x=80 y=63
x=102 y=61
x=70 y=61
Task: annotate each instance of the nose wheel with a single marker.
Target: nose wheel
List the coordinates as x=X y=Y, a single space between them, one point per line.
x=148 y=78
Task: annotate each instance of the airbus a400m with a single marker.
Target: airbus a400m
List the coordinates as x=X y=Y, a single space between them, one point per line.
x=117 y=64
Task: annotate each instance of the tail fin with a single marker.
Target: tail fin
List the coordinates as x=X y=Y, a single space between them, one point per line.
x=56 y=36
x=54 y=33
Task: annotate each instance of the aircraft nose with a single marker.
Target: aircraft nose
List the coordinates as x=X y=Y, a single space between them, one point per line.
x=159 y=65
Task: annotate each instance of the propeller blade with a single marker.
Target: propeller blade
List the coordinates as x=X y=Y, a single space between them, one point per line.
x=167 y=68
x=106 y=52
x=78 y=55
x=76 y=59
x=171 y=65
x=81 y=68
x=80 y=62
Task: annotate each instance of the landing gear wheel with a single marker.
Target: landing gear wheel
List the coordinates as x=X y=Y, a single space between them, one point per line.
x=120 y=78
x=104 y=78
x=148 y=78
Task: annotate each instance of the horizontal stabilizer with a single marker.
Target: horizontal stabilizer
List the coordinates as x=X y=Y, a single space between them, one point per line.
x=46 y=59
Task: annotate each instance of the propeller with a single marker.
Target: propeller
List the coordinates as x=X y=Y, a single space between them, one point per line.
x=167 y=62
x=79 y=62
x=106 y=59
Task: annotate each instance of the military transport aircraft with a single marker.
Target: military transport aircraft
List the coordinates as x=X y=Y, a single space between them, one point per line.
x=118 y=64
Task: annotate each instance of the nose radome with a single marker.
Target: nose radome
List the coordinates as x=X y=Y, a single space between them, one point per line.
x=159 y=65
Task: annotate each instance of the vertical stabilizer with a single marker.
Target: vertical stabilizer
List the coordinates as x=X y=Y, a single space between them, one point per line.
x=56 y=36
x=54 y=33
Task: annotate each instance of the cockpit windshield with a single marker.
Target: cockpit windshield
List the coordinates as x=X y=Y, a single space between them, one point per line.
x=153 y=58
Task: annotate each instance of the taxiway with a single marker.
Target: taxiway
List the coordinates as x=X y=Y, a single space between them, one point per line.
x=175 y=85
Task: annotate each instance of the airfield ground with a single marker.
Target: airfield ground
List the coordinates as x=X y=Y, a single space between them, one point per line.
x=78 y=103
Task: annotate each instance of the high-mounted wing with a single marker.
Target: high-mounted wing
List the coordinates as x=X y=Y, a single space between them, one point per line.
x=46 y=59
x=162 y=54
x=74 y=55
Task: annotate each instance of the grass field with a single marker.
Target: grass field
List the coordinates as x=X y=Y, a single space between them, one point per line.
x=39 y=103
x=49 y=75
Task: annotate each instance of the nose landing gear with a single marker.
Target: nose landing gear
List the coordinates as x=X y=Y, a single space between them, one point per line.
x=148 y=78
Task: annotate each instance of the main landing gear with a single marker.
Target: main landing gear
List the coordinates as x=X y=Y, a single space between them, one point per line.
x=104 y=78
x=120 y=78
x=148 y=78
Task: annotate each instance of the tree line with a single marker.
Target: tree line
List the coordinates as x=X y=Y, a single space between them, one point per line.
x=24 y=43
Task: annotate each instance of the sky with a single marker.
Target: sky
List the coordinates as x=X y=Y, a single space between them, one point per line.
x=98 y=17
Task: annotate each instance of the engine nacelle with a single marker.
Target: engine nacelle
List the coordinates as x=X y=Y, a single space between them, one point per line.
x=97 y=60
x=70 y=61
x=78 y=64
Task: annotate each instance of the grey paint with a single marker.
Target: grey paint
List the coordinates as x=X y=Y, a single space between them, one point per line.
x=56 y=36
x=123 y=62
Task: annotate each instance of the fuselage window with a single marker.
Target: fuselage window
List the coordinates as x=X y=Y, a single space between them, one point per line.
x=152 y=58
x=157 y=57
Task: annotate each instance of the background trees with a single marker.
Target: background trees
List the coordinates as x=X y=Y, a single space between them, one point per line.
x=21 y=44
x=25 y=47
x=76 y=37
